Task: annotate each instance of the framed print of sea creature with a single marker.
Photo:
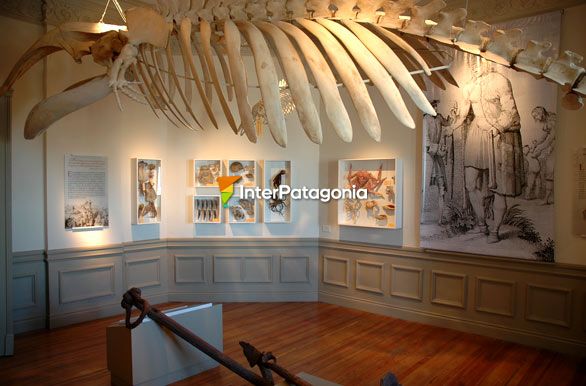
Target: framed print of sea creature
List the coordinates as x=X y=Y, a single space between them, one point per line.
x=206 y=172
x=382 y=179
x=207 y=209
x=246 y=169
x=147 y=188
x=277 y=209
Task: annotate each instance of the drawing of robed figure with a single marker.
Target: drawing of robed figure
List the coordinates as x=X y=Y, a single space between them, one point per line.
x=493 y=151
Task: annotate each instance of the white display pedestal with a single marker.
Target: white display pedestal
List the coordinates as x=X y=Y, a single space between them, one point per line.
x=151 y=356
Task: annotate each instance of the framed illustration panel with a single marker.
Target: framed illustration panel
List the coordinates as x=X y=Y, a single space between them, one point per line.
x=382 y=178
x=277 y=173
x=488 y=156
x=147 y=189
x=247 y=169
x=242 y=210
x=206 y=172
x=207 y=209
x=86 y=188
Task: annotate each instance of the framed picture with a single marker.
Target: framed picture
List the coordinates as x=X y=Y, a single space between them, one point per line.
x=489 y=155
x=206 y=172
x=242 y=210
x=207 y=209
x=382 y=179
x=86 y=188
x=246 y=169
x=277 y=209
x=147 y=191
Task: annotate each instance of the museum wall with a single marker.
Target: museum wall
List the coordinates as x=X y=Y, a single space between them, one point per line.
x=398 y=141
x=87 y=272
x=570 y=136
x=527 y=302
x=101 y=129
x=28 y=220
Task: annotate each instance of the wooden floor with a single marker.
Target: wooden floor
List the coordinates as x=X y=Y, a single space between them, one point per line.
x=342 y=345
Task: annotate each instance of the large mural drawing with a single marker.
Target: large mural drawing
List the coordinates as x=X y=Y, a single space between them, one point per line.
x=489 y=158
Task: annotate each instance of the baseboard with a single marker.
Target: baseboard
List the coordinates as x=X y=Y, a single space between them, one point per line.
x=99 y=312
x=32 y=324
x=525 y=337
x=217 y=297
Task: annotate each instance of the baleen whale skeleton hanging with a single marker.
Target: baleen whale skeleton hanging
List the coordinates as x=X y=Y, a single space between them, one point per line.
x=315 y=42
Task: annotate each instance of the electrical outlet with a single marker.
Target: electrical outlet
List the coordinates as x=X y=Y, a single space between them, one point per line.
x=326 y=228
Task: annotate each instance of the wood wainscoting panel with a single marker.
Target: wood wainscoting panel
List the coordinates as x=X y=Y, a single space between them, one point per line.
x=407 y=282
x=336 y=271
x=86 y=283
x=228 y=269
x=495 y=296
x=294 y=269
x=190 y=269
x=369 y=276
x=258 y=269
x=550 y=305
x=448 y=288
x=144 y=272
x=24 y=291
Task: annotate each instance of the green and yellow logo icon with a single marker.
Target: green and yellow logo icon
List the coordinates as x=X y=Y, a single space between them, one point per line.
x=226 y=185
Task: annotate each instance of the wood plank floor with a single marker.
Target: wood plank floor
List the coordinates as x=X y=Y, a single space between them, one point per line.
x=342 y=345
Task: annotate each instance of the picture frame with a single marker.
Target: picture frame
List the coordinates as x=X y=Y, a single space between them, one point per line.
x=247 y=169
x=242 y=210
x=276 y=173
x=147 y=191
x=206 y=172
x=207 y=209
x=383 y=178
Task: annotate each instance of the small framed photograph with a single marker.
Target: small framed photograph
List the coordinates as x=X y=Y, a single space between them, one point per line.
x=148 y=188
x=207 y=209
x=277 y=209
x=381 y=179
x=206 y=172
x=242 y=210
x=246 y=169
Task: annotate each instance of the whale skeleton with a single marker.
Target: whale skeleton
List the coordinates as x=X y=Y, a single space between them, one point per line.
x=313 y=44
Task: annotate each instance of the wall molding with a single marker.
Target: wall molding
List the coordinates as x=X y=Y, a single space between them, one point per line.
x=464 y=259
x=456 y=295
x=78 y=296
x=402 y=293
x=87 y=283
x=478 y=301
x=532 y=302
x=471 y=293
x=326 y=271
x=359 y=279
x=393 y=281
x=284 y=262
x=522 y=336
x=154 y=282
x=186 y=258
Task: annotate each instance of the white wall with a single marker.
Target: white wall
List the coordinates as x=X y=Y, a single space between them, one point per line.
x=570 y=135
x=28 y=225
x=403 y=143
x=397 y=141
x=103 y=130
